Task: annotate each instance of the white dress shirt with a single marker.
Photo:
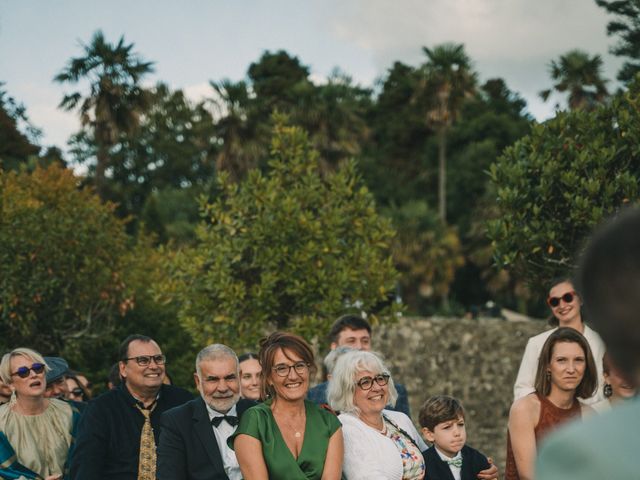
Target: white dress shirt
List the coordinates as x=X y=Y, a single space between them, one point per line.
x=222 y=433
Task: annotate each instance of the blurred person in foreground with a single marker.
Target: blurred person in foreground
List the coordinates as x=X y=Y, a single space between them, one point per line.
x=606 y=446
x=36 y=432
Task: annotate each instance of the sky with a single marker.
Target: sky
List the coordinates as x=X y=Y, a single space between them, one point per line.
x=195 y=41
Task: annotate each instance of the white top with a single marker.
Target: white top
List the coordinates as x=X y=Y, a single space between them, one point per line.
x=527 y=373
x=455 y=471
x=222 y=432
x=369 y=455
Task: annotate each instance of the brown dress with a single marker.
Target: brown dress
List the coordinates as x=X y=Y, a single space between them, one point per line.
x=550 y=417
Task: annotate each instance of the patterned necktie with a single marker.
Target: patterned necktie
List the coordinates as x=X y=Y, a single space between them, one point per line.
x=147 y=462
x=231 y=420
x=456 y=462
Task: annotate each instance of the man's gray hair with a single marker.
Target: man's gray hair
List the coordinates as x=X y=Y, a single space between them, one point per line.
x=342 y=385
x=215 y=351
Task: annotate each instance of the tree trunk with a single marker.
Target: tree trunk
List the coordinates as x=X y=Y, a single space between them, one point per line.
x=442 y=174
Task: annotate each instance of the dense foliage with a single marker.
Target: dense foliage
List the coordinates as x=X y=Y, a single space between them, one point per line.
x=554 y=185
x=62 y=262
x=292 y=248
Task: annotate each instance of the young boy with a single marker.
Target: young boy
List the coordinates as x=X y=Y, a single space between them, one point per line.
x=442 y=422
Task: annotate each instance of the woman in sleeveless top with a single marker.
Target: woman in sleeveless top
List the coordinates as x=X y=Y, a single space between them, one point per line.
x=566 y=372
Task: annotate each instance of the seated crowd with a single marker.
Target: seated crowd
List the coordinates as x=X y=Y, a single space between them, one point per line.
x=257 y=417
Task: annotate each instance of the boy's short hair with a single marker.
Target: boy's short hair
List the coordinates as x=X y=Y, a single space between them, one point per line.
x=438 y=409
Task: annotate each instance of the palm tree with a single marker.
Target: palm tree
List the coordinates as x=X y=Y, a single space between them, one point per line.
x=447 y=81
x=115 y=100
x=243 y=142
x=579 y=75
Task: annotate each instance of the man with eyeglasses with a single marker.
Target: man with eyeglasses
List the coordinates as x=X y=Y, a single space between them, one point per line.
x=193 y=442
x=119 y=431
x=354 y=332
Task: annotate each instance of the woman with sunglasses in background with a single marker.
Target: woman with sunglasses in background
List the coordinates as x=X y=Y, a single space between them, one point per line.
x=565 y=306
x=36 y=433
x=287 y=437
x=77 y=390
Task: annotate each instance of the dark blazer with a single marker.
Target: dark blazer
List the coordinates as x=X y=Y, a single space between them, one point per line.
x=107 y=446
x=472 y=463
x=188 y=449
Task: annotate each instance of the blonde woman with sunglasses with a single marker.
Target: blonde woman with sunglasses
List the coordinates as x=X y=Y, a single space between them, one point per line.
x=565 y=305
x=35 y=432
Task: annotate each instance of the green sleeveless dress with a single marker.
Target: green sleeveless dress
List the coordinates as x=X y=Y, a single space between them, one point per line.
x=258 y=422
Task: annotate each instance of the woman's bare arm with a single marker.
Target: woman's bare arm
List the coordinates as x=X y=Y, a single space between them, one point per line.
x=249 y=454
x=335 y=453
x=522 y=422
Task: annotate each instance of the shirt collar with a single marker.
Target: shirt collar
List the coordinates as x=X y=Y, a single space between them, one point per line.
x=131 y=400
x=444 y=457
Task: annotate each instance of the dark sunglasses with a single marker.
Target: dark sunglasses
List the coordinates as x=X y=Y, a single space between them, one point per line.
x=365 y=383
x=555 y=301
x=23 y=372
x=77 y=392
x=145 y=360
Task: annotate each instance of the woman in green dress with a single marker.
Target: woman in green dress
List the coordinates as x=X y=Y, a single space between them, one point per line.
x=287 y=437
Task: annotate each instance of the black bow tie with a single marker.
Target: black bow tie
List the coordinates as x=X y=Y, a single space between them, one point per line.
x=231 y=420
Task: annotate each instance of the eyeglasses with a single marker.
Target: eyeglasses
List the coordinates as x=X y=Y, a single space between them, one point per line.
x=23 y=372
x=365 y=383
x=555 y=301
x=145 y=360
x=283 y=370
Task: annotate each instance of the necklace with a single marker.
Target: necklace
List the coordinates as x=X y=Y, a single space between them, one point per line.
x=291 y=426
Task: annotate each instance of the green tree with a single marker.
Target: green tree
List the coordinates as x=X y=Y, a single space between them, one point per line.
x=62 y=262
x=335 y=115
x=16 y=147
x=287 y=249
x=580 y=76
x=242 y=143
x=447 y=81
x=427 y=254
x=115 y=100
x=554 y=185
x=627 y=27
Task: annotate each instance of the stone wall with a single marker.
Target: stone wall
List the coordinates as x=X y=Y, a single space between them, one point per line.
x=475 y=361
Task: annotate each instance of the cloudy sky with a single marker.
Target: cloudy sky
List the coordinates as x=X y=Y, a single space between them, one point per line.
x=194 y=41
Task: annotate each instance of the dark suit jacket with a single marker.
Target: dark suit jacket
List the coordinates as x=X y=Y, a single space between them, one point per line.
x=472 y=463
x=107 y=445
x=188 y=449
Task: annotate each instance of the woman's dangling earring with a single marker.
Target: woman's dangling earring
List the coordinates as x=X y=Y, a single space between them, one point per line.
x=607 y=390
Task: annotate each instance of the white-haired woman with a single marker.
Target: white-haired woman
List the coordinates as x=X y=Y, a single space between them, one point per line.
x=35 y=432
x=378 y=443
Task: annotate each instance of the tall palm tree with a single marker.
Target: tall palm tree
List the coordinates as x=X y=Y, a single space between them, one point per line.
x=580 y=75
x=115 y=100
x=243 y=142
x=447 y=81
